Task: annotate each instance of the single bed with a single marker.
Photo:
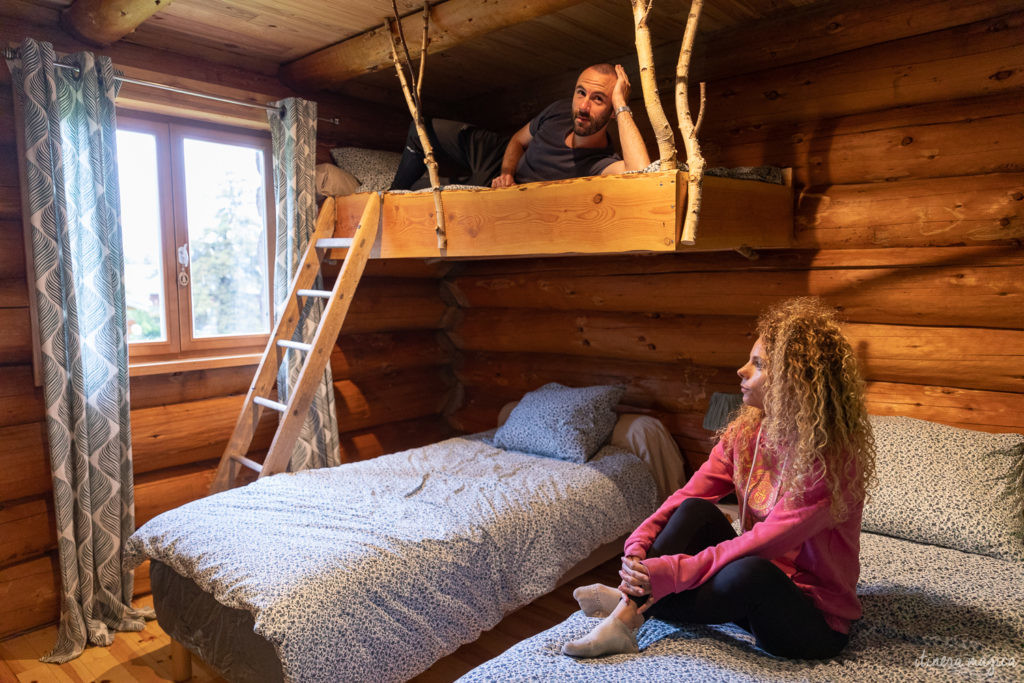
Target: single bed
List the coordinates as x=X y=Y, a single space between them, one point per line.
x=374 y=570
x=942 y=584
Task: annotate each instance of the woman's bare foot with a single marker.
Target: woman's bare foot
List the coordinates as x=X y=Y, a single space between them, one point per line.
x=597 y=599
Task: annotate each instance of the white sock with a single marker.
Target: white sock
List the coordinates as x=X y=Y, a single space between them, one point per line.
x=597 y=599
x=610 y=637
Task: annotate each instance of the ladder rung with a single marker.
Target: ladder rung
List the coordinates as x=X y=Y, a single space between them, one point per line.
x=318 y=293
x=334 y=243
x=251 y=464
x=298 y=346
x=267 y=403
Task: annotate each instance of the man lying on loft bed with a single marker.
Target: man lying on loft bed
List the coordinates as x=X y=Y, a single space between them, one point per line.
x=569 y=139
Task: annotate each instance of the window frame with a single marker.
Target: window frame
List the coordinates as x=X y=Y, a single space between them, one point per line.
x=181 y=344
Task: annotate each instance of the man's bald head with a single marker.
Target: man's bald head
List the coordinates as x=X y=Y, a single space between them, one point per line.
x=603 y=68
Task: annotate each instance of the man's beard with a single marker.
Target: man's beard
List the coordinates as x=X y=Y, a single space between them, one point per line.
x=589 y=125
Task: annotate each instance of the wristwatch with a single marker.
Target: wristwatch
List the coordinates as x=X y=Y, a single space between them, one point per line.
x=624 y=108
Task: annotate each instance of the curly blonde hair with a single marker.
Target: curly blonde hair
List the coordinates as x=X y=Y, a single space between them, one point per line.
x=814 y=404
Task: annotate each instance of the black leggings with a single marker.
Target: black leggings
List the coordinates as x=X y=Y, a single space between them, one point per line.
x=475 y=153
x=751 y=591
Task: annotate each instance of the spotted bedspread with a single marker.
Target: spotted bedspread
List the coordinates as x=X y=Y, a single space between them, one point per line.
x=930 y=614
x=374 y=570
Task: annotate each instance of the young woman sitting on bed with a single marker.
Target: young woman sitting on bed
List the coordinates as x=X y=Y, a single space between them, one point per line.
x=799 y=457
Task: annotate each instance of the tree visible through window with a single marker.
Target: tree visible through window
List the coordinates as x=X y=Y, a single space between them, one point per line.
x=196 y=222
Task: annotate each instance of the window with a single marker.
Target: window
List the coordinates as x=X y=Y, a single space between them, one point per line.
x=197 y=221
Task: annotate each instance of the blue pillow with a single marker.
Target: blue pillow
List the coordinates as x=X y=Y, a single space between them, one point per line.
x=561 y=422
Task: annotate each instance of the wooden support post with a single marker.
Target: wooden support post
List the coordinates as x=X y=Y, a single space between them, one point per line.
x=412 y=99
x=694 y=160
x=424 y=43
x=648 y=80
x=181 y=662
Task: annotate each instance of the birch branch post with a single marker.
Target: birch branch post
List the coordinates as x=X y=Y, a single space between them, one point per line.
x=694 y=159
x=412 y=100
x=655 y=112
x=423 y=47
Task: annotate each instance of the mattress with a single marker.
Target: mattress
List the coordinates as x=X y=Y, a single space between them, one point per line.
x=374 y=570
x=930 y=614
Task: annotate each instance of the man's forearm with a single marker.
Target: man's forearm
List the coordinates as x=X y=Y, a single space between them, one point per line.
x=634 y=151
x=513 y=153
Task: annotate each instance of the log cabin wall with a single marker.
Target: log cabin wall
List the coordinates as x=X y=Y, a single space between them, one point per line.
x=903 y=124
x=391 y=365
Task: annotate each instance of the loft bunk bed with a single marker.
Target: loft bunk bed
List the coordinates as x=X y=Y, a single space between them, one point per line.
x=628 y=213
x=607 y=214
x=632 y=212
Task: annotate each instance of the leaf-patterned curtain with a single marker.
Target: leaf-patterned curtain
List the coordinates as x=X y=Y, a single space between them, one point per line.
x=74 y=211
x=293 y=134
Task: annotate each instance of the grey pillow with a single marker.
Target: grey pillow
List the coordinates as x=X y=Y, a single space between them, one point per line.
x=947 y=486
x=375 y=169
x=561 y=422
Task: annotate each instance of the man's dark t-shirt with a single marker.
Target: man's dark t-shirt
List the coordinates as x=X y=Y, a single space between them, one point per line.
x=548 y=158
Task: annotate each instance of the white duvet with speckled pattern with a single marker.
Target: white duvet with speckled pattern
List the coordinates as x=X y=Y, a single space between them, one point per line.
x=374 y=570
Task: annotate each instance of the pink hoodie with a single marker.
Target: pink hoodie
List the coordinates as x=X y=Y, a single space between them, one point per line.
x=801 y=539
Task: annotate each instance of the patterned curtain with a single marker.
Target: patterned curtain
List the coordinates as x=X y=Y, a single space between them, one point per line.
x=293 y=132
x=74 y=211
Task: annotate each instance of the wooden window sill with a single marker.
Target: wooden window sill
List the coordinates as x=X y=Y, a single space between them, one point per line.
x=162 y=366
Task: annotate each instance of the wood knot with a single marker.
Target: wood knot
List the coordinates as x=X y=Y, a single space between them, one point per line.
x=598 y=198
x=1001 y=75
x=833 y=26
x=772 y=94
x=906 y=141
x=1018 y=196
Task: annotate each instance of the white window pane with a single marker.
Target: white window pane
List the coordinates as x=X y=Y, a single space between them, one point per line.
x=140 y=230
x=226 y=202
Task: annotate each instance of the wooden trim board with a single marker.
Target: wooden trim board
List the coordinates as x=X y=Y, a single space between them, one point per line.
x=593 y=215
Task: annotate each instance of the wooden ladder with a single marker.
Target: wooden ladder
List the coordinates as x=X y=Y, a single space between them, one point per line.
x=317 y=352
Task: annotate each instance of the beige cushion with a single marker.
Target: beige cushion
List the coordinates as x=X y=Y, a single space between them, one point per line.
x=648 y=438
x=332 y=181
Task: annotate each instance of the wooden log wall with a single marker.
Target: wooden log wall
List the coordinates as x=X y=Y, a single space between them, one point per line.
x=903 y=126
x=906 y=148
x=392 y=364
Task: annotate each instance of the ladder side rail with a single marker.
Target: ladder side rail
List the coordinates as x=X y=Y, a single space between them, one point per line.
x=333 y=318
x=266 y=371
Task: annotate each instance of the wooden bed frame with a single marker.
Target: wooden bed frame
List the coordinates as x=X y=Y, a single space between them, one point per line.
x=634 y=212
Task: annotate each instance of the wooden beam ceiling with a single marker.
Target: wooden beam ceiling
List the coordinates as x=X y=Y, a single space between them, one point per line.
x=104 y=22
x=451 y=22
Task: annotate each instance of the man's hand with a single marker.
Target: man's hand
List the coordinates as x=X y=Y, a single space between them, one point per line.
x=620 y=93
x=504 y=180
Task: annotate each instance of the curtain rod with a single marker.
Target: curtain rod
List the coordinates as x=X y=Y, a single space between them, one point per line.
x=12 y=53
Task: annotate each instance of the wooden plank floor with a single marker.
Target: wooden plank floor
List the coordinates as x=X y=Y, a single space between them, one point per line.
x=145 y=656
x=135 y=656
